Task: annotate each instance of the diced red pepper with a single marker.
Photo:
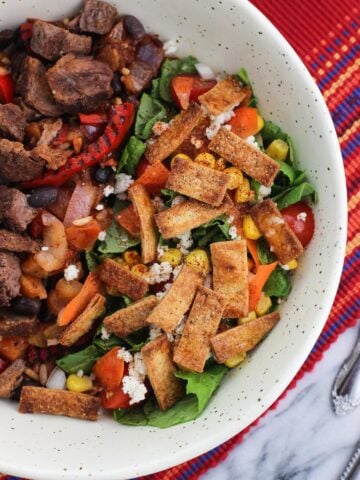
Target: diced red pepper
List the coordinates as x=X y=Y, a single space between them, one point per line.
x=129 y=220
x=114 y=399
x=187 y=88
x=92 y=118
x=7 y=88
x=109 y=369
x=61 y=137
x=154 y=178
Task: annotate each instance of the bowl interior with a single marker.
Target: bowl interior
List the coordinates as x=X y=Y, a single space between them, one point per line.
x=226 y=35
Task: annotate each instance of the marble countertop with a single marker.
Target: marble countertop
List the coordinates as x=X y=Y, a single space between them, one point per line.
x=302 y=439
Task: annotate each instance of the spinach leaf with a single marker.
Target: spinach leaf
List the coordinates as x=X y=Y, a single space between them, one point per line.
x=106 y=345
x=135 y=341
x=271 y=132
x=287 y=170
x=83 y=360
x=92 y=260
x=170 y=195
x=150 y=111
x=278 y=284
x=169 y=69
x=117 y=240
x=243 y=76
x=294 y=195
x=216 y=230
x=131 y=155
x=265 y=255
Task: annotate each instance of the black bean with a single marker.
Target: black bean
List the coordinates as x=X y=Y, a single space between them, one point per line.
x=117 y=85
x=26 y=306
x=134 y=27
x=42 y=197
x=103 y=175
x=46 y=316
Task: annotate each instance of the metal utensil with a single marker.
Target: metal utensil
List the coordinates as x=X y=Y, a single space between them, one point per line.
x=352 y=469
x=345 y=393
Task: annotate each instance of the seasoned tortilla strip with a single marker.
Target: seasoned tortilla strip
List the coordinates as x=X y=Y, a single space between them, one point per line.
x=160 y=368
x=223 y=97
x=188 y=215
x=179 y=129
x=243 y=338
x=148 y=231
x=282 y=240
x=13 y=325
x=59 y=402
x=132 y=318
x=84 y=322
x=168 y=313
x=124 y=281
x=11 y=378
x=249 y=159
x=230 y=276
x=193 y=349
x=197 y=181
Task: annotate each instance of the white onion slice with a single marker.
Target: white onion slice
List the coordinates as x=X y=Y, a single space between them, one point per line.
x=57 y=379
x=205 y=71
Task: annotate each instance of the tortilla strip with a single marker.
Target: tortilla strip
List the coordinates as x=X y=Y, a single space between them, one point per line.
x=59 y=402
x=173 y=306
x=127 y=283
x=179 y=129
x=282 y=240
x=160 y=368
x=249 y=159
x=13 y=325
x=148 y=231
x=193 y=349
x=239 y=340
x=11 y=378
x=84 y=322
x=230 y=276
x=223 y=97
x=188 y=215
x=132 y=318
x=197 y=181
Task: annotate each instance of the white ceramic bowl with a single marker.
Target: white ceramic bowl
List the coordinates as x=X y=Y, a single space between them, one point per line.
x=225 y=34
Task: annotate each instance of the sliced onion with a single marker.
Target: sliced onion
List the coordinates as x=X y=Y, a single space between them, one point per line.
x=205 y=71
x=57 y=379
x=81 y=202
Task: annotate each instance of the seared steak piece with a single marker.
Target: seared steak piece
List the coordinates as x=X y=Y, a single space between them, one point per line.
x=11 y=378
x=97 y=17
x=6 y=37
x=15 y=212
x=33 y=87
x=15 y=242
x=51 y=42
x=116 y=50
x=10 y=273
x=80 y=84
x=50 y=130
x=12 y=122
x=54 y=157
x=16 y=164
x=14 y=325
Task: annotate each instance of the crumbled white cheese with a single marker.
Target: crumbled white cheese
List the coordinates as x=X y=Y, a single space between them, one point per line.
x=285 y=267
x=216 y=122
x=125 y=355
x=158 y=204
x=161 y=249
x=230 y=219
x=197 y=142
x=233 y=233
x=208 y=282
x=177 y=200
x=71 y=273
x=252 y=141
x=205 y=71
x=99 y=207
x=80 y=373
x=170 y=47
x=137 y=367
x=170 y=337
x=44 y=248
x=154 y=332
x=177 y=270
x=302 y=217
x=162 y=294
x=280 y=301
x=159 y=272
x=102 y=236
x=105 y=335
x=122 y=182
x=159 y=128
x=263 y=192
x=108 y=190
x=185 y=242
x=134 y=388
x=227 y=127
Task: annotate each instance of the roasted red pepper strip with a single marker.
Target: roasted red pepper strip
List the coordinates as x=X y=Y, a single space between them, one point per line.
x=7 y=88
x=92 y=118
x=121 y=119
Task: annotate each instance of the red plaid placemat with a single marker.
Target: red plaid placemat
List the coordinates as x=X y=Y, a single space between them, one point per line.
x=326 y=36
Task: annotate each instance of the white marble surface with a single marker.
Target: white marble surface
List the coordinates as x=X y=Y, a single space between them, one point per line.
x=302 y=439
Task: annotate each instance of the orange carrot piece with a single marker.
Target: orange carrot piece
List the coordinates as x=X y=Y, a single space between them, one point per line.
x=83 y=237
x=129 y=220
x=154 y=178
x=244 y=122
x=13 y=348
x=252 y=247
x=257 y=283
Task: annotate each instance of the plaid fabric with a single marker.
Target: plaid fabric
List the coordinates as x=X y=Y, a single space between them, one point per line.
x=325 y=34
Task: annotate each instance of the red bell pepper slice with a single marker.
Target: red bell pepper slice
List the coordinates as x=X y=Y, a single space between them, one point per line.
x=93 y=118
x=187 y=88
x=121 y=119
x=7 y=88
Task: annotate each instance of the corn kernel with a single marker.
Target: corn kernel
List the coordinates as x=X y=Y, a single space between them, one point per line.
x=243 y=193
x=198 y=259
x=260 y=122
x=292 y=265
x=251 y=316
x=220 y=164
x=122 y=262
x=140 y=269
x=236 y=177
x=132 y=257
x=206 y=159
x=263 y=305
x=77 y=384
x=180 y=155
x=173 y=256
x=235 y=360
x=250 y=229
x=278 y=149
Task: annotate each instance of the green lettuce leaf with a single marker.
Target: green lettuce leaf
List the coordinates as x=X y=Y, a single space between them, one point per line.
x=294 y=195
x=169 y=196
x=82 y=360
x=278 y=284
x=92 y=260
x=149 y=112
x=216 y=230
x=106 y=345
x=265 y=255
x=243 y=76
x=117 y=240
x=131 y=155
x=271 y=132
x=170 y=68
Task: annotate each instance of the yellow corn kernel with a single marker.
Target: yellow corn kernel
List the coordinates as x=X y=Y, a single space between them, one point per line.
x=140 y=269
x=263 y=305
x=132 y=257
x=250 y=229
x=220 y=164
x=78 y=384
x=278 y=149
x=251 y=316
x=172 y=256
x=206 y=159
x=235 y=360
x=260 y=122
x=122 y=262
x=198 y=259
x=180 y=155
x=292 y=265
x=236 y=177
x=244 y=193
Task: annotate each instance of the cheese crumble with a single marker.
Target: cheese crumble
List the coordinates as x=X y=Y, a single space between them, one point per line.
x=102 y=236
x=108 y=190
x=302 y=217
x=71 y=272
x=122 y=183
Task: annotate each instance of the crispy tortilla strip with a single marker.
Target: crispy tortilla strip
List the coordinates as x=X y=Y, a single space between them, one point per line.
x=148 y=231
x=59 y=402
x=193 y=349
x=173 y=306
x=249 y=159
x=124 y=281
x=230 y=276
x=282 y=240
x=224 y=96
x=197 y=181
x=132 y=318
x=243 y=338
x=188 y=215
x=179 y=129
x=11 y=378
x=15 y=242
x=160 y=368
x=84 y=322
x=13 y=325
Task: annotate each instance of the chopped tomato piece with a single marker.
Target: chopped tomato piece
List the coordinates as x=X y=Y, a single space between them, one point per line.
x=83 y=237
x=245 y=121
x=201 y=86
x=129 y=220
x=300 y=218
x=187 y=88
x=154 y=178
x=115 y=399
x=109 y=369
x=12 y=348
x=142 y=167
x=93 y=118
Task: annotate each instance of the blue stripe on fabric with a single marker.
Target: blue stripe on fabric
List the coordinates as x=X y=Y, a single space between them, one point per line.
x=351 y=260
x=342 y=63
